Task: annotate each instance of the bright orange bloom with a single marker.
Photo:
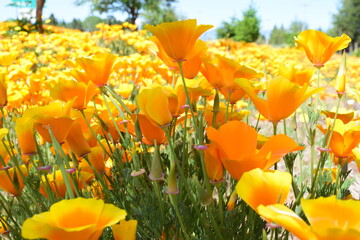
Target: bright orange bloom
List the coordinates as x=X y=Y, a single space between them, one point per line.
x=150 y=132
x=97 y=68
x=11 y=180
x=329 y=218
x=257 y=187
x=76 y=140
x=97 y=158
x=24 y=129
x=319 y=47
x=221 y=115
x=6 y=58
x=3 y=90
x=283 y=97
x=237 y=144
x=295 y=75
x=178 y=38
x=57 y=183
x=191 y=66
x=125 y=230
x=222 y=73
x=213 y=164
x=195 y=90
x=155 y=105
x=74 y=219
x=82 y=92
x=345 y=138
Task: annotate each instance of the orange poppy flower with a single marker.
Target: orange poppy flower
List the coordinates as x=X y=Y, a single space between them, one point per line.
x=296 y=75
x=178 y=38
x=319 y=47
x=283 y=97
x=57 y=183
x=97 y=158
x=221 y=115
x=222 y=73
x=237 y=144
x=82 y=92
x=11 y=181
x=73 y=219
x=24 y=129
x=150 y=132
x=76 y=140
x=258 y=187
x=329 y=218
x=125 y=230
x=3 y=90
x=155 y=105
x=195 y=90
x=344 y=139
x=214 y=167
x=191 y=66
x=6 y=58
x=97 y=68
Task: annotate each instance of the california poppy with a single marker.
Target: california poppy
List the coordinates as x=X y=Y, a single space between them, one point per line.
x=125 y=230
x=319 y=47
x=222 y=73
x=237 y=144
x=3 y=90
x=213 y=164
x=345 y=137
x=258 y=187
x=191 y=66
x=11 y=180
x=68 y=90
x=329 y=218
x=283 y=97
x=154 y=104
x=72 y=219
x=97 y=67
x=178 y=38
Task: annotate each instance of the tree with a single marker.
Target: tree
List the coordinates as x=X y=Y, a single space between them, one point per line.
x=132 y=8
x=89 y=24
x=282 y=36
x=347 y=20
x=39 y=10
x=163 y=12
x=277 y=36
x=247 y=29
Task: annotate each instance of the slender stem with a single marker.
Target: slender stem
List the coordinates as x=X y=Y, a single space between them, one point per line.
x=173 y=200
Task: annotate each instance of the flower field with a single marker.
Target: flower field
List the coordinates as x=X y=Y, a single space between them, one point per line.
x=155 y=134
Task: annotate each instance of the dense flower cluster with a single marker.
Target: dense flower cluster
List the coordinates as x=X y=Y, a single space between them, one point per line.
x=170 y=128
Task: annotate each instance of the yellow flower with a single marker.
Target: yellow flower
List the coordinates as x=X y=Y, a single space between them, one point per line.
x=258 y=187
x=283 y=97
x=74 y=219
x=319 y=47
x=97 y=68
x=329 y=218
x=178 y=38
x=125 y=230
x=154 y=104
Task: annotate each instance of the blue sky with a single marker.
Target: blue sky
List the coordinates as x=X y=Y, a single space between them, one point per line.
x=317 y=13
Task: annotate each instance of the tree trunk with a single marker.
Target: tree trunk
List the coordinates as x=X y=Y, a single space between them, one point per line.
x=39 y=10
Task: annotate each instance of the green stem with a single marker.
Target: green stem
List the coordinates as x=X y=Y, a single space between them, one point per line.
x=173 y=200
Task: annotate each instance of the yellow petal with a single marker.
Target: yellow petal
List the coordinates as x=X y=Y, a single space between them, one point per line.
x=258 y=187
